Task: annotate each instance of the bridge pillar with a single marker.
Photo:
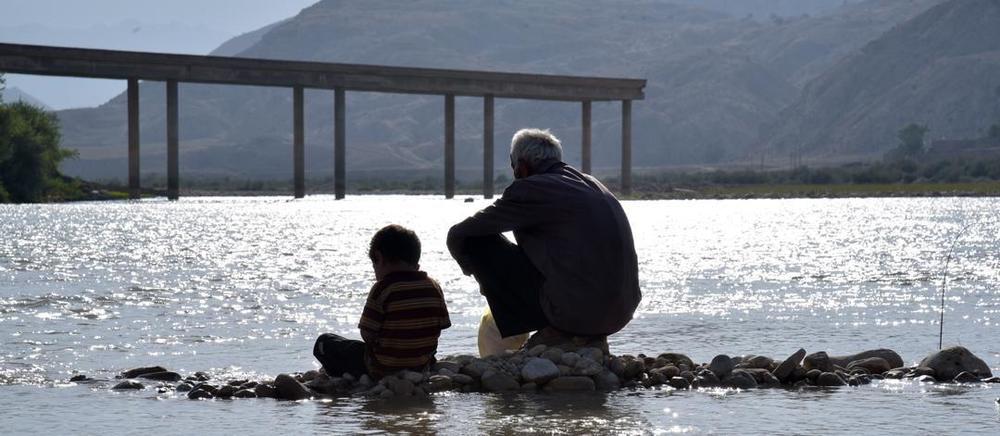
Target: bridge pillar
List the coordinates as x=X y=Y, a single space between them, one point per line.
x=173 y=185
x=298 y=143
x=488 y=146
x=449 y=146
x=133 y=139
x=585 y=138
x=339 y=144
x=626 y=177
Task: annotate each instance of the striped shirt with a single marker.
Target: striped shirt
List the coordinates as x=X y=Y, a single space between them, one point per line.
x=406 y=312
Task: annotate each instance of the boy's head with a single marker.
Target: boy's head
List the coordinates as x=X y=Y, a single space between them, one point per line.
x=394 y=248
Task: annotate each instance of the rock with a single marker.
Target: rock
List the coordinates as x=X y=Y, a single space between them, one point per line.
x=926 y=379
x=162 y=376
x=617 y=366
x=553 y=354
x=670 y=371
x=496 y=381
x=829 y=379
x=874 y=365
x=921 y=371
x=890 y=356
x=199 y=394
x=570 y=384
x=607 y=381
x=322 y=384
x=569 y=359
x=476 y=368
x=758 y=362
x=78 y=378
x=784 y=371
x=413 y=376
x=819 y=360
x=633 y=369
x=245 y=393
x=813 y=374
x=564 y=370
x=539 y=371
x=950 y=362
x=896 y=373
x=388 y=393
x=591 y=353
x=348 y=376
x=450 y=366
x=688 y=375
x=462 y=379
x=679 y=383
x=265 y=390
x=365 y=380
x=768 y=380
x=655 y=378
x=529 y=387
x=226 y=391
x=309 y=375
x=439 y=383
x=677 y=359
x=136 y=372
x=288 y=388
x=707 y=378
x=721 y=365
x=249 y=385
x=740 y=379
x=991 y=380
x=129 y=384
x=399 y=387
x=202 y=376
x=184 y=387
x=587 y=367
x=966 y=377
x=537 y=350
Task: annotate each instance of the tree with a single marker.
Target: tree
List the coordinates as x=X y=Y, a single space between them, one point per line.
x=3 y=87
x=29 y=152
x=911 y=140
x=994 y=132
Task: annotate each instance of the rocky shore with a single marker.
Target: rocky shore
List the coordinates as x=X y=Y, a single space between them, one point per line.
x=571 y=369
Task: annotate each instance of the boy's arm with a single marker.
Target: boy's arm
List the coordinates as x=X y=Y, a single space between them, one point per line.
x=371 y=318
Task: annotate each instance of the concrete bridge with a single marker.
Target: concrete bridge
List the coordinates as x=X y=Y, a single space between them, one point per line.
x=174 y=68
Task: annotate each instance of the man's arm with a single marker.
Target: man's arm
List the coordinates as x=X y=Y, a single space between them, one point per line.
x=520 y=207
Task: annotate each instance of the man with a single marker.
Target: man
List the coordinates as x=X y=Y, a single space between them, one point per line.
x=573 y=272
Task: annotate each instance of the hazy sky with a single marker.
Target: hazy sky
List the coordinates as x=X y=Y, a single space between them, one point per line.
x=177 y=26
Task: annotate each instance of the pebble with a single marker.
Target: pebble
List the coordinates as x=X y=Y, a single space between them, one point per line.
x=199 y=394
x=540 y=371
x=721 y=366
x=829 y=379
x=136 y=372
x=184 y=387
x=553 y=354
x=288 y=388
x=129 y=384
x=679 y=383
x=819 y=360
x=439 y=383
x=476 y=368
x=740 y=379
x=785 y=370
x=587 y=367
x=591 y=353
x=265 y=390
x=759 y=362
x=607 y=381
x=537 y=350
x=570 y=358
x=412 y=376
x=678 y=359
x=874 y=365
x=496 y=381
x=245 y=393
x=78 y=378
x=966 y=377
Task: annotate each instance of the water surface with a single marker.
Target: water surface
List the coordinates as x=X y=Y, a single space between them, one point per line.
x=241 y=287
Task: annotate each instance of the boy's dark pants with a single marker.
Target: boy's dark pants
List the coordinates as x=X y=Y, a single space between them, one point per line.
x=339 y=355
x=510 y=282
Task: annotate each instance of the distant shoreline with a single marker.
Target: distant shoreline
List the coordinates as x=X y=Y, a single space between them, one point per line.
x=710 y=192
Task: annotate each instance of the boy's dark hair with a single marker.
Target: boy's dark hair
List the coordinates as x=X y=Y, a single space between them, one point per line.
x=396 y=242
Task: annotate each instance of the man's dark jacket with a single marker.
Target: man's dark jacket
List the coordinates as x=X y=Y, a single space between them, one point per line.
x=576 y=234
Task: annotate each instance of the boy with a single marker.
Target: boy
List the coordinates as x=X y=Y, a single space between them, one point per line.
x=402 y=319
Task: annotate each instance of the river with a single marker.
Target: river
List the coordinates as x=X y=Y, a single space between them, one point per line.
x=240 y=287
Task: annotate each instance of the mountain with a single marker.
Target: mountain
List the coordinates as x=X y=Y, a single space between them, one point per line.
x=941 y=69
x=15 y=94
x=713 y=81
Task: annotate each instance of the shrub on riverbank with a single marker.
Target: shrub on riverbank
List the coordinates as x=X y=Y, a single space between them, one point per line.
x=30 y=156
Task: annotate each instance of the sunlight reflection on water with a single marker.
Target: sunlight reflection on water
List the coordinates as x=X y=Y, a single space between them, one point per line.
x=241 y=286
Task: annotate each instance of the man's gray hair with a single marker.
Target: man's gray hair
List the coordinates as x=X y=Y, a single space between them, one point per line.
x=535 y=146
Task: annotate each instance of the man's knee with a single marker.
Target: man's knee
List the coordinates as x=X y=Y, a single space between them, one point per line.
x=323 y=342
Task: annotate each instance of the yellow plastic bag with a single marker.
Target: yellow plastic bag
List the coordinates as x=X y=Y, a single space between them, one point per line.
x=490 y=342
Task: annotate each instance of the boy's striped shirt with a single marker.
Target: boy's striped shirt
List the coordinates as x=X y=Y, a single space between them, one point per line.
x=406 y=311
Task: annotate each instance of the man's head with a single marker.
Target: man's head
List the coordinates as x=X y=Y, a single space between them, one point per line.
x=530 y=148
x=394 y=248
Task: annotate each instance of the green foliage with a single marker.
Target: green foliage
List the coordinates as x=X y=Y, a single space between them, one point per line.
x=994 y=132
x=29 y=153
x=911 y=140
